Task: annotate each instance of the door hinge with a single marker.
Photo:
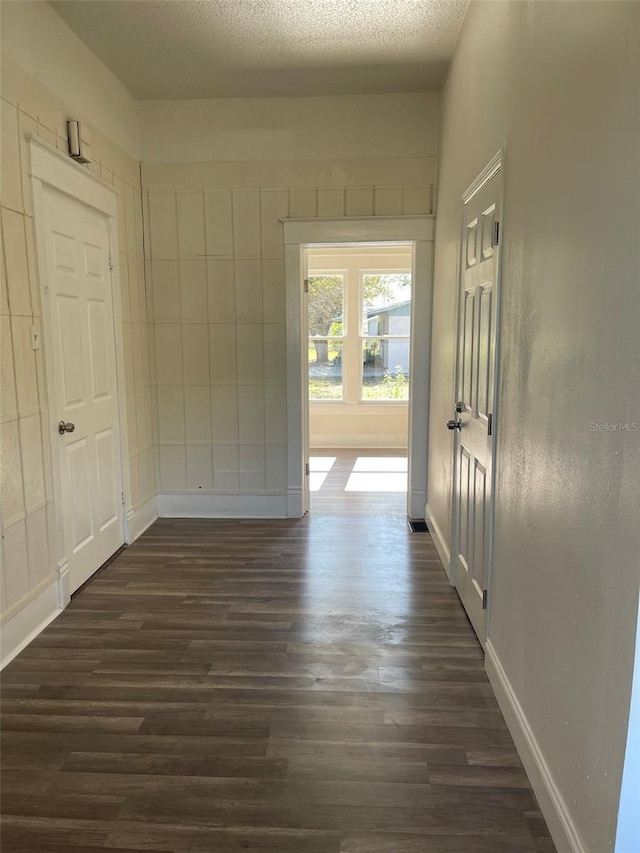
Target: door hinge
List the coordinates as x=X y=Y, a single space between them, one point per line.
x=122 y=493
x=484 y=599
x=110 y=261
x=306 y=285
x=306 y=468
x=496 y=233
x=490 y=423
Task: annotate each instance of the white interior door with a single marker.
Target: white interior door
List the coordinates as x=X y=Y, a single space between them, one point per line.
x=82 y=348
x=474 y=407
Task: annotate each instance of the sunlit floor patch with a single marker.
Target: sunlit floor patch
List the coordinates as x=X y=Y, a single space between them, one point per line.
x=380 y=463
x=358 y=481
x=316 y=479
x=377 y=481
x=321 y=463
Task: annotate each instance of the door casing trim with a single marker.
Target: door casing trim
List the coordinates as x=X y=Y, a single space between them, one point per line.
x=358 y=231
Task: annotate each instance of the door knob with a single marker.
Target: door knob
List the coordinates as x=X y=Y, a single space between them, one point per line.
x=65 y=427
x=454 y=425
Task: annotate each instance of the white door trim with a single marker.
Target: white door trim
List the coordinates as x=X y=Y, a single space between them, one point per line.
x=495 y=165
x=302 y=233
x=51 y=168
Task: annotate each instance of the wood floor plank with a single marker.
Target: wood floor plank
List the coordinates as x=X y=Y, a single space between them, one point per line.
x=286 y=686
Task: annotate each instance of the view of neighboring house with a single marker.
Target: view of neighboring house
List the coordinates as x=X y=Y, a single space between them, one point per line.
x=392 y=355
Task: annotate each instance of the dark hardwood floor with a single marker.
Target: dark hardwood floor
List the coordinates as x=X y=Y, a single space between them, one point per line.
x=306 y=686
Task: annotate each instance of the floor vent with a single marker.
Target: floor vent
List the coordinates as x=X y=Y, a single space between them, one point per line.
x=418 y=526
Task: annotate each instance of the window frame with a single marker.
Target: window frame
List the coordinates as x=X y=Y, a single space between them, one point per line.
x=326 y=272
x=352 y=338
x=367 y=401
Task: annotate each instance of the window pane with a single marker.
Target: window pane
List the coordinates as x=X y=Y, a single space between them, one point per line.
x=385 y=369
x=386 y=304
x=325 y=369
x=326 y=306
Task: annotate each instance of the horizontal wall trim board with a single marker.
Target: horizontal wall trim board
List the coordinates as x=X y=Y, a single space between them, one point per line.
x=360 y=229
x=139 y=519
x=439 y=541
x=57 y=169
x=222 y=506
x=23 y=627
x=552 y=804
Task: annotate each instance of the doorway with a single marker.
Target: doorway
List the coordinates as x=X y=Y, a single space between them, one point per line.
x=474 y=421
x=417 y=232
x=76 y=241
x=358 y=304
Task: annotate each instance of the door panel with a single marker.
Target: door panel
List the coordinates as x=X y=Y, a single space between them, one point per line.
x=472 y=234
x=98 y=336
x=463 y=515
x=64 y=248
x=84 y=365
x=485 y=307
x=69 y=325
x=106 y=460
x=488 y=231
x=475 y=396
x=78 y=464
x=467 y=347
x=92 y=260
x=479 y=527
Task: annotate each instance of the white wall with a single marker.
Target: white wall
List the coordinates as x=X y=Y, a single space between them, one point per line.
x=557 y=83
x=217 y=182
x=48 y=76
x=319 y=128
x=37 y=40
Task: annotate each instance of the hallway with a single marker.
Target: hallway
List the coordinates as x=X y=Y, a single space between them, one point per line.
x=306 y=686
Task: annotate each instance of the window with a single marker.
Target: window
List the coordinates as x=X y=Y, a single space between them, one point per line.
x=326 y=328
x=386 y=323
x=359 y=335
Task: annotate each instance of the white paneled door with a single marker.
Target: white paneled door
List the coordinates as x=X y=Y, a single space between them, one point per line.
x=473 y=416
x=83 y=357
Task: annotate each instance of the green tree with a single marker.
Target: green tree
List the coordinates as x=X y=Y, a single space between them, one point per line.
x=325 y=311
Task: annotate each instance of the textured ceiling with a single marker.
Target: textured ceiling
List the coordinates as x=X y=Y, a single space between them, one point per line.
x=239 y=48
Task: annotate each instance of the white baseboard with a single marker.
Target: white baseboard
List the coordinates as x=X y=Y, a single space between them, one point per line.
x=439 y=541
x=295 y=502
x=358 y=441
x=552 y=805
x=139 y=519
x=222 y=506
x=19 y=629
